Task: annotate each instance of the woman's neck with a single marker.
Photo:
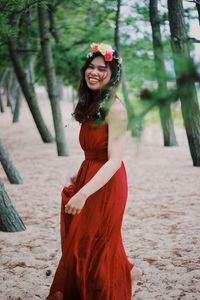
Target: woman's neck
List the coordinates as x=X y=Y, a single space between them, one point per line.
x=95 y=95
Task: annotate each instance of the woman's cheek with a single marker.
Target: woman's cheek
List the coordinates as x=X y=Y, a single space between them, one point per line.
x=103 y=76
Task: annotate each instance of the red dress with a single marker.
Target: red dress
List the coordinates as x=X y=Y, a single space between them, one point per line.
x=93 y=265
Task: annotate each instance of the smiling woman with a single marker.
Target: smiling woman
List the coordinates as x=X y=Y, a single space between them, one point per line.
x=100 y=79
x=97 y=74
x=94 y=265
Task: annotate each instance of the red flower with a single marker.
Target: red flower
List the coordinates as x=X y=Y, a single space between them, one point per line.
x=108 y=56
x=95 y=48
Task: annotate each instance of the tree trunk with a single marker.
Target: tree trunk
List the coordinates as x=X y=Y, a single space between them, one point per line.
x=2 y=87
x=73 y=97
x=9 y=218
x=117 y=17
x=187 y=90
x=30 y=72
x=28 y=91
x=1 y=103
x=8 y=85
x=198 y=10
x=52 y=27
x=9 y=168
x=50 y=76
x=117 y=46
x=18 y=101
x=164 y=108
x=124 y=87
x=60 y=89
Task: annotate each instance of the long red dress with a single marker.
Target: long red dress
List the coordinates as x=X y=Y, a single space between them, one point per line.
x=93 y=265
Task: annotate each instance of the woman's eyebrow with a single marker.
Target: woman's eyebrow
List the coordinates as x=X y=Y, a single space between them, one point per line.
x=102 y=66
x=99 y=66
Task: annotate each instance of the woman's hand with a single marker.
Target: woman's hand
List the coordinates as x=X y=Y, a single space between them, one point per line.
x=76 y=203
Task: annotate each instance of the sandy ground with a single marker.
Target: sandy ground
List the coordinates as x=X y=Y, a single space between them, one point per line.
x=161 y=225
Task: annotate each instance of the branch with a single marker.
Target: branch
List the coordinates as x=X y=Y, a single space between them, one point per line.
x=194 y=1
x=9 y=8
x=24 y=50
x=52 y=27
x=194 y=40
x=80 y=42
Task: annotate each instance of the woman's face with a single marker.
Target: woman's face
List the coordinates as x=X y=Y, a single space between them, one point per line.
x=97 y=74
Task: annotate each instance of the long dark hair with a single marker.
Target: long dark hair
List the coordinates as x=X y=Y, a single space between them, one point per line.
x=103 y=98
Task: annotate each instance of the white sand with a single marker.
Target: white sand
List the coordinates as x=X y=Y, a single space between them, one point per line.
x=161 y=225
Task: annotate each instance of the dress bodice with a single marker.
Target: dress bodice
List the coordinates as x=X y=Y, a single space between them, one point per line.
x=94 y=140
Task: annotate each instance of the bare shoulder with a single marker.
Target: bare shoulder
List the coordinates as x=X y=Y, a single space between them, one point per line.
x=118 y=113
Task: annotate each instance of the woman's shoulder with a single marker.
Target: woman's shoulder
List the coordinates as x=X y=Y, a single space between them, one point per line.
x=117 y=111
x=118 y=107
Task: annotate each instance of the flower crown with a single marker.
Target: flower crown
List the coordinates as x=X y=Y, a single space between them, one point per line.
x=106 y=50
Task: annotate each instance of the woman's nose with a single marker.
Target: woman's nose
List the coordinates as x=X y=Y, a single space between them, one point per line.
x=94 y=72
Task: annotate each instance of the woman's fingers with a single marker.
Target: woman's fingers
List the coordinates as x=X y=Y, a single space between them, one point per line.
x=68 y=209
x=72 y=210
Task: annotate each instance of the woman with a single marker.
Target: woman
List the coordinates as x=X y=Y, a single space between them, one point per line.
x=94 y=265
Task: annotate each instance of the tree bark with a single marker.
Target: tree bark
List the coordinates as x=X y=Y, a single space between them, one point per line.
x=124 y=87
x=187 y=90
x=49 y=72
x=52 y=27
x=117 y=17
x=60 y=88
x=9 y=218
x=198 y=10
x=164 y=108
x=9 y=168
x=1 y=104
x=117 y=46
x=8 y=84
x=2 y=86
x=28 y=91
x=18 y=101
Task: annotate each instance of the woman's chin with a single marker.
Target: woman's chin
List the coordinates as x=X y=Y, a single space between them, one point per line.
x=93 y=87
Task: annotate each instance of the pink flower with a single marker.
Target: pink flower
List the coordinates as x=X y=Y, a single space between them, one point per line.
x=94 y=48
x=108 y=56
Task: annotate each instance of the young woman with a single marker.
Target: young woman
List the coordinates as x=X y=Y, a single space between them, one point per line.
x=94 y=265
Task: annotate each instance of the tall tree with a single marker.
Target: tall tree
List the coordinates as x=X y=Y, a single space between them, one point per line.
x=28 y=91
x=18 y=101
x=2 y=87
x=10 y=221
x=9 y=168
x=49 y=72
x=185 y=82
x=8 y=86
x=161 y=75
x=117 y=18
x=117 y=46
x=198 y=8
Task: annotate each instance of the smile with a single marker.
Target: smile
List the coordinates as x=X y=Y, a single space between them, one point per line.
x=92 y=80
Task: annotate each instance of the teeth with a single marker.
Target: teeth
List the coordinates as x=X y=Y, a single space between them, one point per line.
x=92 y=80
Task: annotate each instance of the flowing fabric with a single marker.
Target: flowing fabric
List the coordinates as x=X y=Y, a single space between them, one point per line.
x=93 y=265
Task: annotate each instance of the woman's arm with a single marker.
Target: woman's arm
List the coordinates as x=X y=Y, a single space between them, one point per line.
x=117 y=126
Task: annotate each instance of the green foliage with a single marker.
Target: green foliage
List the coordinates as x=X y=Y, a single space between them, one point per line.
x=79 y=23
